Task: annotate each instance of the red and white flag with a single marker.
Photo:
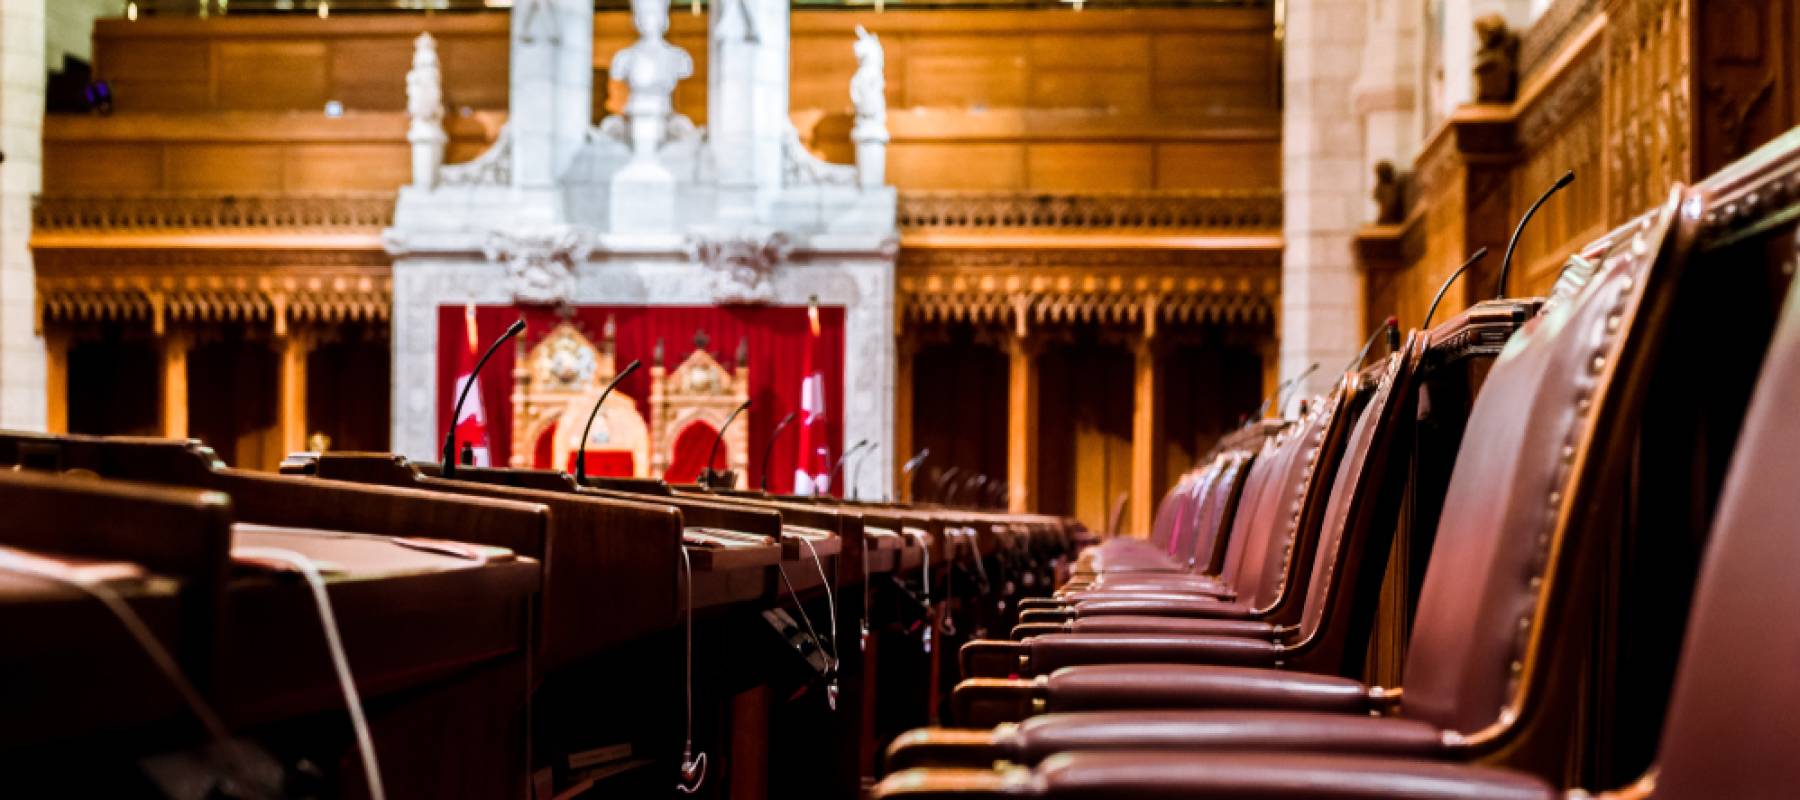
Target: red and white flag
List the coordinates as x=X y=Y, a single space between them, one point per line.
x=471 y=427
x=812 y=467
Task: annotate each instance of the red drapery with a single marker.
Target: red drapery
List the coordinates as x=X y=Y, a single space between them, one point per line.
x=692 y=445
x=774 y=333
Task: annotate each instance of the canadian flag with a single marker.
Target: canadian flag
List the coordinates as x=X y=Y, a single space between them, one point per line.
x=813 y=465
x=471 y=427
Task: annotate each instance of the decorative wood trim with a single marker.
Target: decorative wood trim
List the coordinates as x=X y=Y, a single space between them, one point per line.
x=164 y=212
x=1252 y=210
x=1547 y=35
x=1109 y=287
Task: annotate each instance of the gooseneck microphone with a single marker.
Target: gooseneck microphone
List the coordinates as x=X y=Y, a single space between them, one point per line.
x=860 y=444
x=708 y=476
x=456 y=413
x=855 y=475
x=581 y=452
x=1280 y=395
x=769 y=449
x=1506 y=262
x=1473 y=260
x=1363 y=355
x=911 y=466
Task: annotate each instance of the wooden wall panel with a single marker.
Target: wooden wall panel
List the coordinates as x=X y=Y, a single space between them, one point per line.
x=318 y=168
x=102 y=168
x=1088 y=167
x=956 y=166
x=273 y=75
x=1117 y=99
x=224 y=168
x=1254 y=164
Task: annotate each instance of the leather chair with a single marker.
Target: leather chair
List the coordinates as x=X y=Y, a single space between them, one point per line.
x=1285 y=523
x=1729 y=727
x=1536 y=457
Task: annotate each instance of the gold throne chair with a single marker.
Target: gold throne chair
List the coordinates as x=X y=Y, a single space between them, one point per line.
x=555 y=385
x=688 y=407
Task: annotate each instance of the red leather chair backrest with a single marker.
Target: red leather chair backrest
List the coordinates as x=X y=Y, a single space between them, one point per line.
x=1289 y=525
x=1212 y=521
x=1346 y=534
x=1243 y=536
x=1734 y=714
x=1535 y=450
x=1169 y=512
x=1191 y=494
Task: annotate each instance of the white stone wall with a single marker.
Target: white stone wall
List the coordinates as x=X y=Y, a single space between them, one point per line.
x=1323 y=169
x=864 y=285
x=22 y=400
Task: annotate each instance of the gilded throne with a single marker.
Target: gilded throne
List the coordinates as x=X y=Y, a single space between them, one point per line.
x=690 y=405
x=555 y=385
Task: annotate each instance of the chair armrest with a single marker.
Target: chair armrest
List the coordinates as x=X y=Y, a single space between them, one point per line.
x=1168 y=686
x=1046 y=654
x=1143 y=776
x=1163 y=605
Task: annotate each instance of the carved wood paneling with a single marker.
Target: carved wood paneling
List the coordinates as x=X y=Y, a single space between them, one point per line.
x=1139 y=211
x=1649 y=104
x=160 y=286
x=1103 y=287
x=1744 y=51
x=216 y=212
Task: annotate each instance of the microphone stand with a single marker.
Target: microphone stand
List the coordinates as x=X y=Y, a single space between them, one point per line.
x=581 y=452
x=708 y=477
x=456 y=412
x=1473 y=260
x=1506 y=262
x=769 y=449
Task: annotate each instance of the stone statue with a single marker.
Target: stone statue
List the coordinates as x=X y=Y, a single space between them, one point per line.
x=425 y=105
x=1496 y=60
x=868 y=94
x=1390 y=194
x=650 y=68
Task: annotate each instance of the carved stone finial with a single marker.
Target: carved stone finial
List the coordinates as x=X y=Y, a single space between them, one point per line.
x=1390 y=194
x=701 y=340
x=743 y=353
x=1496 y=60
x=656 y=355
x=425 y=106
x=868 y=94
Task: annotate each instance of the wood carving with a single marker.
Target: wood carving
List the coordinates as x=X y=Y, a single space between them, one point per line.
x=1496 y=60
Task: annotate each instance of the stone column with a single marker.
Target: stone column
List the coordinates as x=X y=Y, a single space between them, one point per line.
x=56 y=381
x=22 y=378
x=1322 y=179
x=747 y=103
x=290 y=412
x=1386 y=93
x=175 y=384
x=1146 y=436
x=551 y=87
x=906 y=348
x=1021 y=422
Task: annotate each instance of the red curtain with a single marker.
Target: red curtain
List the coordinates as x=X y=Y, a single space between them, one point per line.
x=692 y=446
x=774 y=335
